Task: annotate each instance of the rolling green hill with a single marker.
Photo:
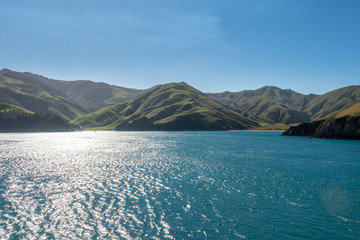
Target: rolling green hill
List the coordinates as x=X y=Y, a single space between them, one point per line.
x=275 y=105
x=271 y=104
x=170 y=106
x=173 y=106
x=93 y=95
x=27 y=91
x=332 y=102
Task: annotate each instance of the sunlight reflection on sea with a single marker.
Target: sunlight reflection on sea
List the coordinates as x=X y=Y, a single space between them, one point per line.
x=214 y=185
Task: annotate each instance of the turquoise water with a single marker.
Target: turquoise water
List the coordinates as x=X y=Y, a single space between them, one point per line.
x=178 y=185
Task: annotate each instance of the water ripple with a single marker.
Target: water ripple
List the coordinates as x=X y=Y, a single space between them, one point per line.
x=111 y=185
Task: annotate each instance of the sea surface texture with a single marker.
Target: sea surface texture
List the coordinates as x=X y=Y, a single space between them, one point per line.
x=178 y=185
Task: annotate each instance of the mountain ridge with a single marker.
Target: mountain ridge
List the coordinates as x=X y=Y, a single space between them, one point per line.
x=272 y=104
x=172 y=106
x=269 y=105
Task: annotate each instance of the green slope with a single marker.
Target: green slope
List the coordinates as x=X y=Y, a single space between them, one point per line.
x=332 y=102
x=275 y=105
x=173 y=106
x=93 y=95
x=27 y=91
x=352 y=111
x=271 y=104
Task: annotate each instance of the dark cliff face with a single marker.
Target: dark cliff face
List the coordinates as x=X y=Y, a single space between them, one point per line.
x=344 y=128
x=304 y=129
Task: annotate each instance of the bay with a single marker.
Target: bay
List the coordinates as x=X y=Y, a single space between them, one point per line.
x=178 y=185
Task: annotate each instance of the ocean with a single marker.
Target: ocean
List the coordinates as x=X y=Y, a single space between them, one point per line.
x=178 y=185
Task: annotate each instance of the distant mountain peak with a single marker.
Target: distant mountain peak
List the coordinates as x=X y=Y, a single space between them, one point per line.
x=177 y=85
x=270 y=86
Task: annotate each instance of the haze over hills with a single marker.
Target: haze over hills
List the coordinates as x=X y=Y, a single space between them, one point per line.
x=94 y=95
x=28 y=91
x=173 y=106
x=90 y=95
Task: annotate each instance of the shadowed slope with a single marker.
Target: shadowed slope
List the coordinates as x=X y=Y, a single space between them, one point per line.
x=22 y=121
x=18 y=119
x=4 y=107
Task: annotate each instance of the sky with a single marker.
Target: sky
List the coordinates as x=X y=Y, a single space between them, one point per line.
x=309 y=46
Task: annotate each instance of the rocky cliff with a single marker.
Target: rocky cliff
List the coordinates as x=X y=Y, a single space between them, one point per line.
x=347 y=127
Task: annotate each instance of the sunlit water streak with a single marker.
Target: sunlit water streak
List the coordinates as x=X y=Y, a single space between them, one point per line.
x=178 y=185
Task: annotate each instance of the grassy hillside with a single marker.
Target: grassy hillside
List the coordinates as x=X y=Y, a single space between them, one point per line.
x=271 y=104
x=27 y=91
x=352 y=111
x=173 y=106
x=275 y=105
x=326 y=105
x=92 y=95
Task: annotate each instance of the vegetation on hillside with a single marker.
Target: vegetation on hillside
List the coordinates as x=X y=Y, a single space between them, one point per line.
x=275 y=105
x=326 y=105
x=173 y=106
x=270 y=104
x=352 y=111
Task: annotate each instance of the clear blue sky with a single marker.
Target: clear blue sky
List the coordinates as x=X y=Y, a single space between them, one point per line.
x=306 y=45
